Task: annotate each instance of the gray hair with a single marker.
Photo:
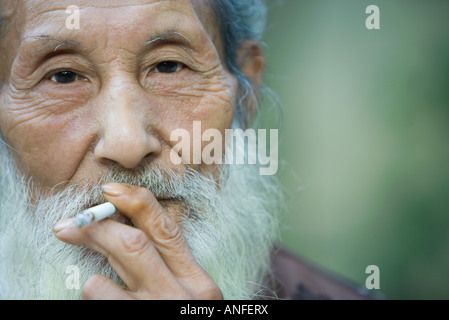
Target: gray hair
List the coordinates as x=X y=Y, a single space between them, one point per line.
x=239 y=21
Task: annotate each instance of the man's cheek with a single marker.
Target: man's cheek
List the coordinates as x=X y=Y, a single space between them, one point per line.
x=48 y=98
x=193 y=86
x=217 y=107
x=33 y=118
x=48 y=147
x=52 y=165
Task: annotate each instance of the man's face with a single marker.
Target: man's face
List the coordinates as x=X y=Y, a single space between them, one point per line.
x=80 y=107
x=110 y=93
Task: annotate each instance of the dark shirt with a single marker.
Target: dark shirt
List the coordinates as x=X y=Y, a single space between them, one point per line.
x=297 y=279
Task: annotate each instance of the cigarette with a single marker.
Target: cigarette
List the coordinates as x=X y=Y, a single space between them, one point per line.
x=96 y=213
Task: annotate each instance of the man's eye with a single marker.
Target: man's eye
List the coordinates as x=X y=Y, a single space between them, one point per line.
x=64 y=77
x=169 y=67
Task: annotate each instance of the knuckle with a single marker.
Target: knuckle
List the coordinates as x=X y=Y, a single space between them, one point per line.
x=168 y=229
x=91 y=286
x=135 y=242
x=208 y=292
x=213 y=293
x=136 y=203
x=140 y=200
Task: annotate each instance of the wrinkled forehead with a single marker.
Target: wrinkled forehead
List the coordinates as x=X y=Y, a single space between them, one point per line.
x=108 y=9
x=117 y=19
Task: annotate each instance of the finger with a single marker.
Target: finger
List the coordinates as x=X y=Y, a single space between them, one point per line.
x=147 y=214
x=128 y=250
x=99 y=287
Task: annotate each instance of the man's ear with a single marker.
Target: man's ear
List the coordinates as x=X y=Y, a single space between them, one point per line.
x=251 y=60
x=252 y=63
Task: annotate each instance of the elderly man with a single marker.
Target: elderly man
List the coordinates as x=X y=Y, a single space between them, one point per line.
x=86 y=116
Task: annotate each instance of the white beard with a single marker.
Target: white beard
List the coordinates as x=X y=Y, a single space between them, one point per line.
x=230 y=231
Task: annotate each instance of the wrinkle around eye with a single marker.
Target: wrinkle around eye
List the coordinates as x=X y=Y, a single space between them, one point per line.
x=26 y=77
x=36 y=110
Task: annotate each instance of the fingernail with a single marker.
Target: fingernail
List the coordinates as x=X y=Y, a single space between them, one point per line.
x=61 y=225
x=114 y=189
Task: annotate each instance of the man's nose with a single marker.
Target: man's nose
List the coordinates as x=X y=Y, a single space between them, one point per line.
x=125 y=137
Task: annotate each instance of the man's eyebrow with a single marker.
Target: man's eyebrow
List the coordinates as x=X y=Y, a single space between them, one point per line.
x=50 y=42
x=169 y=37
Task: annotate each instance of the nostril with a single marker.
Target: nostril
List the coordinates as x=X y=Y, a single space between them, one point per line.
x=127 y=150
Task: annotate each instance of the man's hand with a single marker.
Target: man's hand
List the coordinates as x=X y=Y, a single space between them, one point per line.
x=152 y=258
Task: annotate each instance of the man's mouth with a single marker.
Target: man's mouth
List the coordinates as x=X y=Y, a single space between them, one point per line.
x=120 y=217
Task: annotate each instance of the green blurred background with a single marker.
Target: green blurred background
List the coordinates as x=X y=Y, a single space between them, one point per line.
x=365 y=139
